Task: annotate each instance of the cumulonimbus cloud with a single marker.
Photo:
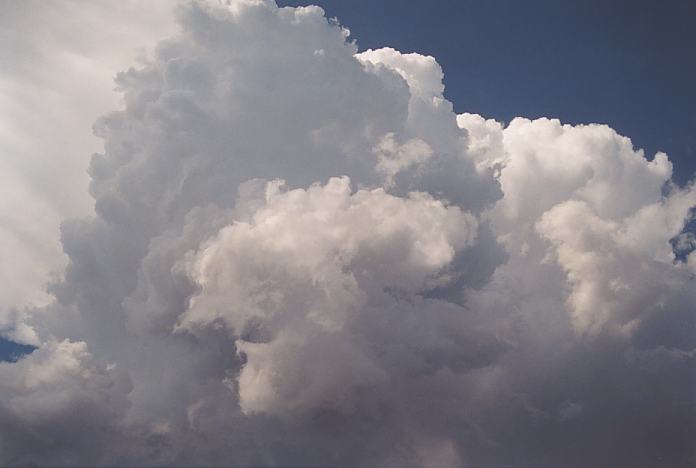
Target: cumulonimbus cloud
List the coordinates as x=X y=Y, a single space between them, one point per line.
x=301 y=256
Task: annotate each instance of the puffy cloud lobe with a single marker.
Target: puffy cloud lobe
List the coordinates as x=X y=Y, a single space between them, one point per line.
x=345 y=247
x=59 y=406
x=603 y=207
x=485 y=140
x=585 y=241
x=394 y=157
x=422 y=73
x=290 y=282
x=430 y=121
x=590 y=163
x=423 y=289
x=619 y=271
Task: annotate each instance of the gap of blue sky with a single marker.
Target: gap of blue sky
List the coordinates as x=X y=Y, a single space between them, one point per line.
x=11 y=351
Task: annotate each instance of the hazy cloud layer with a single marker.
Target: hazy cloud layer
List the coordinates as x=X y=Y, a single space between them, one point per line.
x=299 y=255
x=56 y=67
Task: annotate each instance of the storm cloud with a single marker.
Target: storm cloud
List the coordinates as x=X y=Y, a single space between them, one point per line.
x=301 y=256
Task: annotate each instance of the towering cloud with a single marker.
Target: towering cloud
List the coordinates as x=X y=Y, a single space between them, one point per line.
x=301 y=256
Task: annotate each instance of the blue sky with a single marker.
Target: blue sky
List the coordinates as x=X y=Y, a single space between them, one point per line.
x=10 y=351
x=629 y=64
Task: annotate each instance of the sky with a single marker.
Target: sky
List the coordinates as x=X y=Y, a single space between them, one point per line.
x=251 y=234
x=627 y=64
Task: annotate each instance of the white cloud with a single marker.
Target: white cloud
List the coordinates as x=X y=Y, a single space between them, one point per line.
x=423 y=288
x=291 y=282
x=56 y=69
x=61 y=403
x=394 y=157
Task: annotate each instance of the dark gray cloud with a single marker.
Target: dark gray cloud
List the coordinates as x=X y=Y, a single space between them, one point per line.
x=301 y=256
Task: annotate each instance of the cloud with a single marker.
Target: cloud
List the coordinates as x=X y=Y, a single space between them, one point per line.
x=60 y=406
x=56 y=72
x=299 y=255
x=300 y=277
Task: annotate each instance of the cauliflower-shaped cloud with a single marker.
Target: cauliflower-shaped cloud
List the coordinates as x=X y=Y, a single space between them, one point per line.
x=301 y=256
